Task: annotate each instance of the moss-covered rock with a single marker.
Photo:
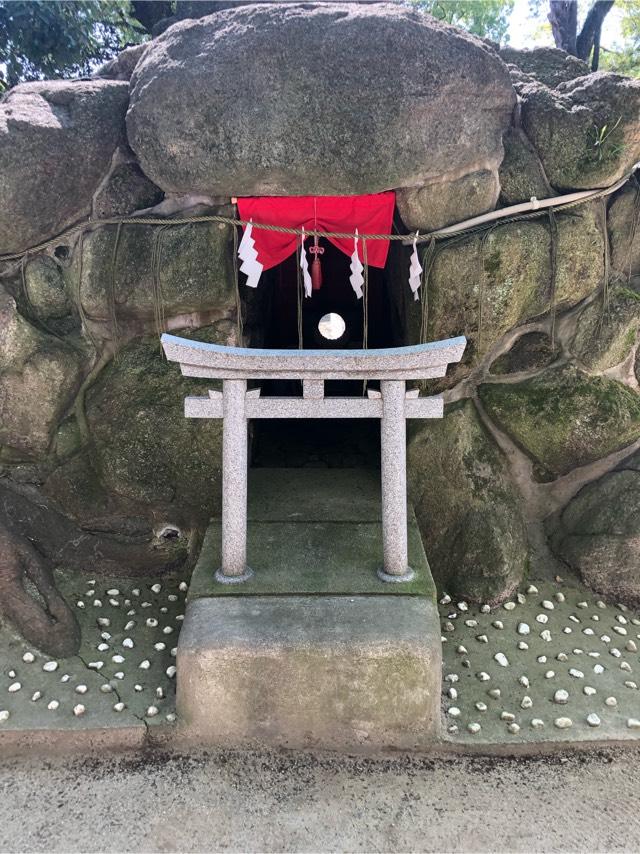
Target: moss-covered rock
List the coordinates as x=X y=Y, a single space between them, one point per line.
x=521 y=173
x=564 y=418
x=624 y=231
x=486 y=285
x=529 y=353
x=39 y=376
x=195 y=271
x=438 y=204
x=605 y=335
x=586 y=131
x=467 y=507
x=598 y=533
x=146 y=449
x=127 y=190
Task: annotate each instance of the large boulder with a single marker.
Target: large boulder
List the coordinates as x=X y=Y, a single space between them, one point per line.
x=39 y=376
x=564 y=418
x=467 y=507
x=598 y=533
x=57 y=139
x=586 y=131
x=549 y=65
x=487 y=284
x=521 y=173
x=289 y=99
x=195 y=267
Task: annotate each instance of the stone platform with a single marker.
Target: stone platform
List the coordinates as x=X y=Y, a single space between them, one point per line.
x=315 y=650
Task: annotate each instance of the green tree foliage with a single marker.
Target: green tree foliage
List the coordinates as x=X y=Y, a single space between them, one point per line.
x=486 y=18
x=625 y=57
x=42 y=39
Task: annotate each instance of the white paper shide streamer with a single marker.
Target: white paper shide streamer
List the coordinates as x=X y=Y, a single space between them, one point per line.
x=415 y=270
x=247 y=253
x=304 y=266
x=356 y=278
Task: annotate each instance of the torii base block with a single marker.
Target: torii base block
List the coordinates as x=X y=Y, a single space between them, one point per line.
x=314 y=651
x=339 y=673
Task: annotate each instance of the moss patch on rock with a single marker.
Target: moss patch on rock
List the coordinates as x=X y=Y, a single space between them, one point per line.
x=467 y=507
x=529 y=353
x=146 y=449
x=564 y=418
x=605 y=335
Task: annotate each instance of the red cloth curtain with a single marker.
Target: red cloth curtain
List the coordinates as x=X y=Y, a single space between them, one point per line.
x=371 y=214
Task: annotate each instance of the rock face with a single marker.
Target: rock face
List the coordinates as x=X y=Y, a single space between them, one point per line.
x=598 y=533
x=299 y=98
x=414 y=103
x=565 y=418
x=56 y=142
x=586 y=131
x=467 y=507
x=39 y=376
x=195 y=272
x=549 y=65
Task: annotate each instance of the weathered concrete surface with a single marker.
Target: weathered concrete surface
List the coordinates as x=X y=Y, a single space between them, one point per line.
x=335 y=672
x=261 y=801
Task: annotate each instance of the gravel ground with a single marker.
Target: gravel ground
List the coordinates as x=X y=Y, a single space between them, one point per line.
x=287 y=802
x=555 y=663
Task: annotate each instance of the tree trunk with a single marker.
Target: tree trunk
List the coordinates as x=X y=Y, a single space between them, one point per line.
x=563 y=17
x=589 y=38
x=30 y=601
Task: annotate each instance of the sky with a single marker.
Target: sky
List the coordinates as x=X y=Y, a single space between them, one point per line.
x=524 y=31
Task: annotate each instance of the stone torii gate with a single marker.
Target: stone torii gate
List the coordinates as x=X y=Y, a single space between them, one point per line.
x=393 y=404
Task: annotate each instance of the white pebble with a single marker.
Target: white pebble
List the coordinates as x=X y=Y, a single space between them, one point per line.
x=633 y=723
x=474 y=728
x=129 y=625
x=631 y=646
x=507 y=716
x=28 y=657
x=563 y=723
x=167 y=630
x=15 y=686
x=537 y=723
x=611 y=701
x=549 y=674
x=36 y=696
x=117 y=659
x=152 y=623
x=560 y=597
x=497 y=624
x=81 y=689
x=542 y=618
x=119 y=707
x=152 y=711
x=494 y=692
x=509 y=606
x=102 y=647
x=105 y=622
x=481 y=707
x=97 y=603
x=95 y=665
x=65 y=678
x=113 y=592
x=630 y=684
x=523 y=645
x=561 y=696
x=541 y=659
x=593 y=719
x=589 y=691
x=156 y=588
x=128 y=643
x=523 y=629
x=532 y=589
x=483 y=676
x=502 y=659
x=53 y=705
x=482 y=639
x=183 y=587
x=577 y=674
x=524 y=681
x=79 y=710
x=145 y=665
x=170 y=717
x=4 y=716
x=513 y=728
x=454 y=711
x=598 y=668
x=50 y=666
x=624 y=665
x=106 y=688
x=160 y=646
x=527 y=703
x=171 y=671
x=547 y=605
x=452 y=694
x=546 y=635
x=119 y=675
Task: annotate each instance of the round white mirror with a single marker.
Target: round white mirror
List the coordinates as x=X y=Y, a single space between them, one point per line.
x=331 y=326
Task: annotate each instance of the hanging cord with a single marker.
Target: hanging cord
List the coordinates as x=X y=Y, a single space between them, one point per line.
x=299 y=287
x=236 y=280
x=158 y=302
x=483 y=281
x=365 y=305
x=112 y=289
x=428 y=257
x=553 y=261
x=606 y=266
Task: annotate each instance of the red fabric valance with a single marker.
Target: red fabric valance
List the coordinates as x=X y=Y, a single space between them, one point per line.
x=371 y=214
